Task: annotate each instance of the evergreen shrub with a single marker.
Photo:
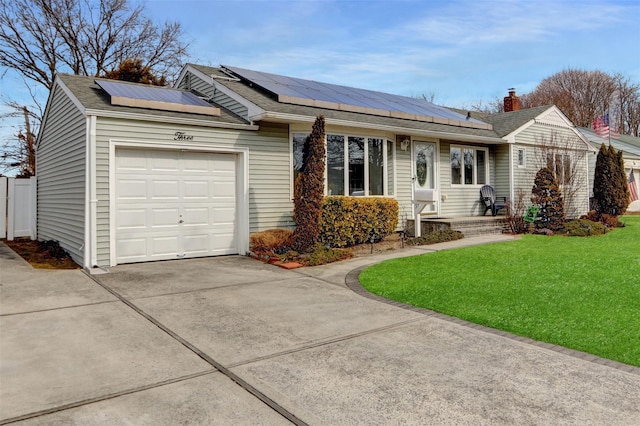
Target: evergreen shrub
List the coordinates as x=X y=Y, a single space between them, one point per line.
x=547 y=196
x=610 y=188
x=584 y=228
x=309 y=191
x=348 y=221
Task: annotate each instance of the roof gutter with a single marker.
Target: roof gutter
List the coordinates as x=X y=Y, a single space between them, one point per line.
x=283 y=117
x=170 y=120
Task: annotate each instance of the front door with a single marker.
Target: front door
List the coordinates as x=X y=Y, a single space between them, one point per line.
x=424 y=154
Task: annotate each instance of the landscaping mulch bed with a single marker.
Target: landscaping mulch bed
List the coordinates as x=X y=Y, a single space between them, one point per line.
x=42 y=254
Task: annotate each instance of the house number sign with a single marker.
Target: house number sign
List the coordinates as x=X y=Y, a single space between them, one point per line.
x=182 y=136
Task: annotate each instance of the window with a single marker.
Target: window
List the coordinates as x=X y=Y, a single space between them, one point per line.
x=298 y=148
x=469 y=165
x=522 y=158
x=390 y=169
x=361 y=166
x=335 y=165
x=560 y=165
x=356 y=165
x=376 y=166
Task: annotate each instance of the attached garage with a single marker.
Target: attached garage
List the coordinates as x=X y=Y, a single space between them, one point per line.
x=174 y=204
x=125 y=176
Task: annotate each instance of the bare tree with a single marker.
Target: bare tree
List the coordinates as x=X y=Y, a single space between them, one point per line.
x=21 y=155
x=39 y=38
x=42 y=37
x=429 y=97
x=626 y=105
x=493 y=106
x=585 y=95
x=563 y=157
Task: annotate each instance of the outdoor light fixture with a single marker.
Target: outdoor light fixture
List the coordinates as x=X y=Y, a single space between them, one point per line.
x=405 y=144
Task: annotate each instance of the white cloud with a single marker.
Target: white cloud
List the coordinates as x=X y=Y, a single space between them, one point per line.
x=477 y=22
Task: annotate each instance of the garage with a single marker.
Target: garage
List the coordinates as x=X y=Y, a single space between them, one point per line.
x=173 y=204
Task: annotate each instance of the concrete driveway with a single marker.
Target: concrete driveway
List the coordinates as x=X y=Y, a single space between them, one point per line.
x=232 y=341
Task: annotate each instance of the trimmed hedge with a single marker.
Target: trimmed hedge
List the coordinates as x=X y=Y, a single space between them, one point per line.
x=348 y=221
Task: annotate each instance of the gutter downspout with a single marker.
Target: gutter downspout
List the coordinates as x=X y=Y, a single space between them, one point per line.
x=512 y=193
x=90 y=245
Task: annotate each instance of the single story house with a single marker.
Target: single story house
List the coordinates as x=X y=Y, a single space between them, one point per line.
x=133 y=173
x=630 y=148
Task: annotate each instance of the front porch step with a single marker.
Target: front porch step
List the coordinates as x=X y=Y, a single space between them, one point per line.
x=469 y=226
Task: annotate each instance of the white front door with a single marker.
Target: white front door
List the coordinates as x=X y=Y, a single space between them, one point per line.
x=425 y=173
x=174 y=204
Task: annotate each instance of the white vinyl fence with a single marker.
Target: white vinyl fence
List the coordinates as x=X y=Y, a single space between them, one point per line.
x=18 y=208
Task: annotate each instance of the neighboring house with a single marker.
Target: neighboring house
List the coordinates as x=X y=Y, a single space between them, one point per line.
x=630 y=147
x=131 y=173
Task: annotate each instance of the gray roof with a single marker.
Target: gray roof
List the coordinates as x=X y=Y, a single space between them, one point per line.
x=629 y=150
x=633 y=140
x=506 y=122
x=267 y=101
x=91 y=96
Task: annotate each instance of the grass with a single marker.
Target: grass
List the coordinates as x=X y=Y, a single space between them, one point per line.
x=579 y=292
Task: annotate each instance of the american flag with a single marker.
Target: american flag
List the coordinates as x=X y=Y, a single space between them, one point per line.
x=602 y=128
x=633 y=187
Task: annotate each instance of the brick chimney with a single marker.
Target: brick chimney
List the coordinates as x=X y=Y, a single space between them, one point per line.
x=511 y=102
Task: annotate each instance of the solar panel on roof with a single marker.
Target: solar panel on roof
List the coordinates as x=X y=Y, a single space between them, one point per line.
x=326 y=95
x=154 y=97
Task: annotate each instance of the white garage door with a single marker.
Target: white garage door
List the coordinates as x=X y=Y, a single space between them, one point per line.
x=173 y=204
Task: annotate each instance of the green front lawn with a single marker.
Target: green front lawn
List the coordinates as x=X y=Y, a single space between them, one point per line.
x=578 y=292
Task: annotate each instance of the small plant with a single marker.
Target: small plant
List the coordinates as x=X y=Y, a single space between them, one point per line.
x=611 y=221
x=436 y=237
x=271 y=240
x=290 y=256
x=322 y=255
x=53 y=249
x=607 y=220
x=515 y=214
x=584 y=228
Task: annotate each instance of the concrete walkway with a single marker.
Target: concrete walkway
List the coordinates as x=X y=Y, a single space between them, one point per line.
x=233 y=341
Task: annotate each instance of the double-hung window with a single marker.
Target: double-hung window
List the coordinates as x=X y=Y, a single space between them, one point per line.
x=469 y=165
x=560 y=165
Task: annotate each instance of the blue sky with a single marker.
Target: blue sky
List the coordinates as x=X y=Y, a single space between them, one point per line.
x=462 y=51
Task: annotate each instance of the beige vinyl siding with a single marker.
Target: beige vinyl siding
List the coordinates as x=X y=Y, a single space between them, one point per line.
x=270 y=202
x=533 y=141
x=230 y=104
x=461 y=200
x=192 y=82
x=500 y=170
x=404 y=186
x=61 y=176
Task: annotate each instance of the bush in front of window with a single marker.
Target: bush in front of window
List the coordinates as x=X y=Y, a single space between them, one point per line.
x=348 y=221
x=547 y=196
